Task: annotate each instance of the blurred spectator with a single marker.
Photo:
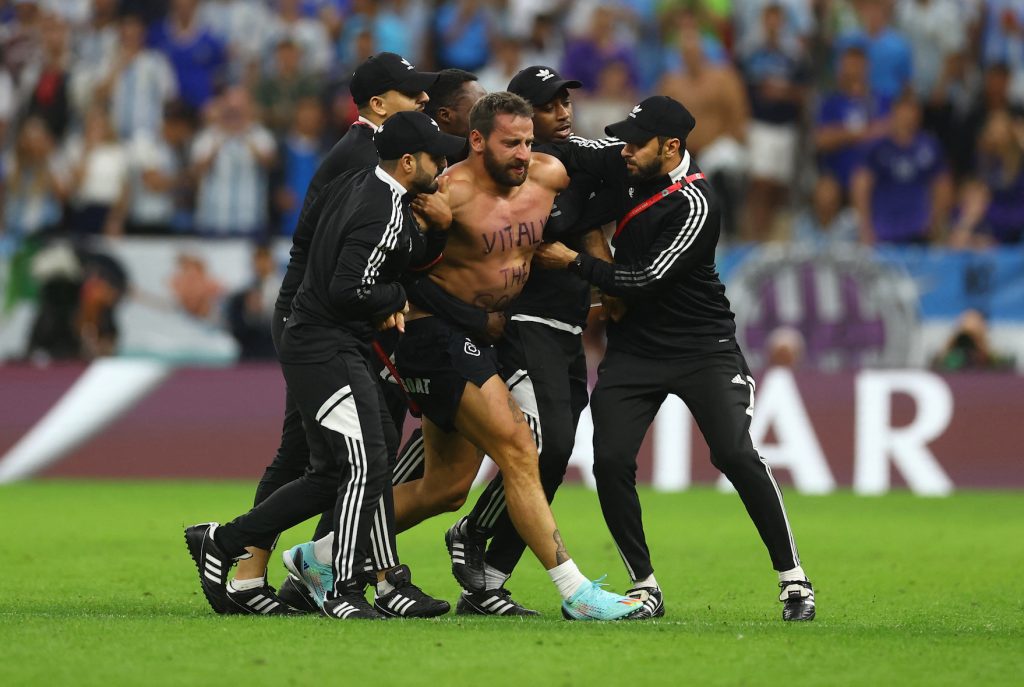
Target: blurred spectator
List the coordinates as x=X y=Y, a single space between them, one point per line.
x=961 y=126
x=97 y=168
x=462 y=30
x=249 y=310
x=826 y=221
x=230 y=158
x=797 y=22
x=785 y=347
x=45 y=79
x=8 y=103
x=890 y=60
x=301 y=152
x=994 y=201
x=22 y=38
x=242 y=25
x=951 y=110
x=284 y=84
x=199 y=58
x=137 y=82
x=936 y=30
x=1003 y=41
x=848 y=119
x=95 y=42
x=777 y=77
x=902 y=190
x=585 y=57
x=684 y=21
x=195 y=290
x=33 y=193
x=505 y=62
x=389 y=30
x=611 y=101
x=309 y=34
x=545 y=43
x=58 y=272
x=451 y=98
x=715 y=96
x=104 y=284
x=158 y=189
x=969 y=348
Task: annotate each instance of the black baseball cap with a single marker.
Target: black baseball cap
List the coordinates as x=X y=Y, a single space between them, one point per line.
x=539 y=84
x=658 y=115
x=414 y=132
x=387 y=71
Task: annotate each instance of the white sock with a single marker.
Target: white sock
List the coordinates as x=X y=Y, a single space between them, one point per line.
x=322 y=549
x=384 y=587
x=648 y=581
x=494 y=578
x=793 y=575
x=237 y=585
x=568 y=578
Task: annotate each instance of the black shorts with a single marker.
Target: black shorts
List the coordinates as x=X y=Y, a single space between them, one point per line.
x=435 y=360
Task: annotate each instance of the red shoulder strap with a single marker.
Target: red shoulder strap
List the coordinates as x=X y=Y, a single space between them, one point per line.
x=664 y=193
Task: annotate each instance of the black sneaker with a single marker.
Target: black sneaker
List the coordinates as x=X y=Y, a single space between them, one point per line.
x=798 y=600
x=294 y=594
x=350 y=606
x=467 y=554
x=653 y=603
x=491 y=602
x=211 y=562
x=260 y=601
x=407 y=600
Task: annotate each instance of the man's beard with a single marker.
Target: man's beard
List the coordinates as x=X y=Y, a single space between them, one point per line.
x=502 y=173
x=645 y=172
x=424 y=183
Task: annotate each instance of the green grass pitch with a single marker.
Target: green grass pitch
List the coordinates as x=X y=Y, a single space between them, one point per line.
x=99 y=590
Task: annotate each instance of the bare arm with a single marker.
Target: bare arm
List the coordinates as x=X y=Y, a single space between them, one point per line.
x=861 y=186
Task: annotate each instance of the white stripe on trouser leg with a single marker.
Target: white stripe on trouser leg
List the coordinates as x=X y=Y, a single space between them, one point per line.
x=785 y=517
x=384 y=555
x=629 y=569
x=494 y=509
x=348 y=519
x=340 y=414
x=410 y=459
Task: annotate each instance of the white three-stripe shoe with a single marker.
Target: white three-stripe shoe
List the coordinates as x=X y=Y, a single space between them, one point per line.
x=211 y=562
x=351 y=605
x=260 y=601
x=491 y=602
x=407 y=600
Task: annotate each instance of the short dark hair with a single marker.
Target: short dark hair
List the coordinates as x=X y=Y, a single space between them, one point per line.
x=481 y=117
x=446 y=89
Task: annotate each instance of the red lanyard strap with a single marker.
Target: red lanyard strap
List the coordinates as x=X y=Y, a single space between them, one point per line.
x=386 y=359
x=664 y=193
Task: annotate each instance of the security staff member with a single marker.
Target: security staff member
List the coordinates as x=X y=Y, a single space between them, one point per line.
x=365 y=240
x=677 y=337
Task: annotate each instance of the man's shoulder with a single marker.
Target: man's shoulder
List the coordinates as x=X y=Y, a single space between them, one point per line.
x=548 y=171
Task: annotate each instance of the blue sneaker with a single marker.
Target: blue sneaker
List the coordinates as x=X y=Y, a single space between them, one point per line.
x=590 y=602
x=316 y=577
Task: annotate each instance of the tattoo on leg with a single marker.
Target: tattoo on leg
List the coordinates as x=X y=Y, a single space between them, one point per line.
x=561 y=555
x=517 y=413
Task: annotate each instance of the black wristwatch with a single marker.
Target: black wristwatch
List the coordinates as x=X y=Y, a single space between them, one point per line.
x=576 y=266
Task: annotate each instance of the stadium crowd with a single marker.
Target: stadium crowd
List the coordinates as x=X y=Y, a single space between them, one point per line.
x=818 y=121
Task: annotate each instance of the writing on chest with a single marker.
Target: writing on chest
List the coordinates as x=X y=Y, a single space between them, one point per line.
x=513 y=236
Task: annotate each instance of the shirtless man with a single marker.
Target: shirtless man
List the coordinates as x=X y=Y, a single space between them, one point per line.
x=716 y=97
x=500 y=198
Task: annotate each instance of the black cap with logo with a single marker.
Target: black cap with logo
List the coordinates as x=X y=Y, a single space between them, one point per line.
x=387 y=71
x=658 y=115
x=413 y=132
x=539 y=85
